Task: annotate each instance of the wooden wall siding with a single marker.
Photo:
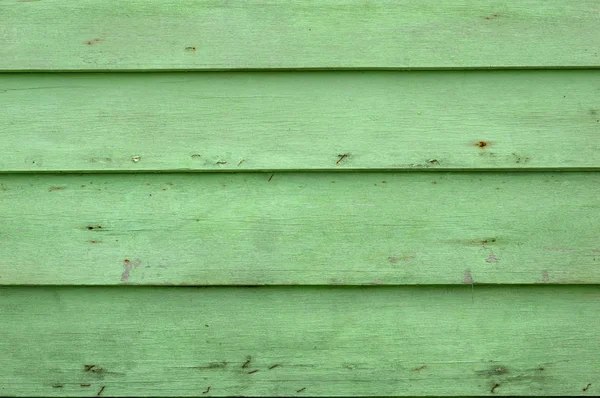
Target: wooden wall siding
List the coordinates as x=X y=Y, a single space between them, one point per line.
x=300 y=121
x=216 y=34
x=299 y=198
x=299 y=228
x=291 y=341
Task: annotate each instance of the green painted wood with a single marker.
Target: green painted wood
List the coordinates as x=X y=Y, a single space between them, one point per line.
x=300 y=341
x=292 y=120
x=214 y=34
x=304 y=228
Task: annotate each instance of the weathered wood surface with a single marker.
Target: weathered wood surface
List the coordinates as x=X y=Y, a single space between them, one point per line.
x=293 y=120
x=300 y=228
x=300 y=341
x=215 y=34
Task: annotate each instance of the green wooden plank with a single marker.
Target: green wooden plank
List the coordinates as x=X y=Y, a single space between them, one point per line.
x=292 y=120
x=214 y=34
x=305 y=228
x=300 y=341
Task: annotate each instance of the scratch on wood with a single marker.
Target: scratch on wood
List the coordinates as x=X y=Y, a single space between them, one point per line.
x=270 y=178
x=92 y=368
x=586 y=387
x=419 y=368
x=342 y=157
x=206 y=391
x=494 y=388
x=247 y=363
x=302 y=389
x=253 y=371
x=100 y=392
x=274 y=366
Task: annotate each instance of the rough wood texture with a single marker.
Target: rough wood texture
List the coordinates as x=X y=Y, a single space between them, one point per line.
x=293 y=120
x=216 y=34
x=300 y=341
x=287 y=228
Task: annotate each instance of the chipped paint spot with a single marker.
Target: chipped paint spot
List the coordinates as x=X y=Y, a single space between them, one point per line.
x=128 y=265
x=545 y=277
x=492 y=258
x=468 y=279
x=136 y=159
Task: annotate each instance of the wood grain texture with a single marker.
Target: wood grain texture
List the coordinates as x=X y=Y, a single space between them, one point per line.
x=300 y=341
x=215 y=34
x=287 y=228
x=293 y=120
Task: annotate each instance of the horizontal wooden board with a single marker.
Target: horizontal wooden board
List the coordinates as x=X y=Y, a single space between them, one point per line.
x=216 y=34
x=299 y=341
x=300 y=120
x=305 y=228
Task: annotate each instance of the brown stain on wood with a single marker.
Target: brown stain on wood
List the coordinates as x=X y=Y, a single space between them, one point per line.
x=481 y=144
x=419 y=368
x=51 y=189
x=394 y=259
x=212 y=366
x=493 y=16
x=92 y=42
